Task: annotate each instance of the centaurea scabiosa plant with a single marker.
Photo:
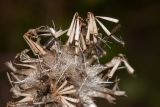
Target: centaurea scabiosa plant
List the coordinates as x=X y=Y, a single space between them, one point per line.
x=66 y=74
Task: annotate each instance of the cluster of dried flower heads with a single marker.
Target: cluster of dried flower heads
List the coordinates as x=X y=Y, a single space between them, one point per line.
x=66 y=74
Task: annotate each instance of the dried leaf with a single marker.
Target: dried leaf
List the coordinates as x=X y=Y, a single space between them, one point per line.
x=104 y=28
x=63 y=85
x=72 y=24
x=71 y=36
x=34 y=46
x=111 y=73
x=77 y=34
x=108 y=19
x=60 y=33
x=129 y=68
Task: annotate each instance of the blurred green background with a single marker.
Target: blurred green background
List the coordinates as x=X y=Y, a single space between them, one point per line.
x=140 y=20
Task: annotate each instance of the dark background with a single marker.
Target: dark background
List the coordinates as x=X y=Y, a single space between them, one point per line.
x=140 y=21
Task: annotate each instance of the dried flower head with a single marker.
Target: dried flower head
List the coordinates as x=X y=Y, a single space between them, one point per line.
x=66 y=74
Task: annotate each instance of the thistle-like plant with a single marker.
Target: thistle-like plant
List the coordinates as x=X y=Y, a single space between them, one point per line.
x=66 y=74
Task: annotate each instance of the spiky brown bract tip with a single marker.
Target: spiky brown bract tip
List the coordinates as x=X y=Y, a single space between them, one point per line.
x=66 y=74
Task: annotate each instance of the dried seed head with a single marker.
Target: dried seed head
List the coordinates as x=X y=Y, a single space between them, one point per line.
x=66 y=74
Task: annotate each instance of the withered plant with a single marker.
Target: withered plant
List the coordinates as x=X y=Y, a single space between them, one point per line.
x=66 y=74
